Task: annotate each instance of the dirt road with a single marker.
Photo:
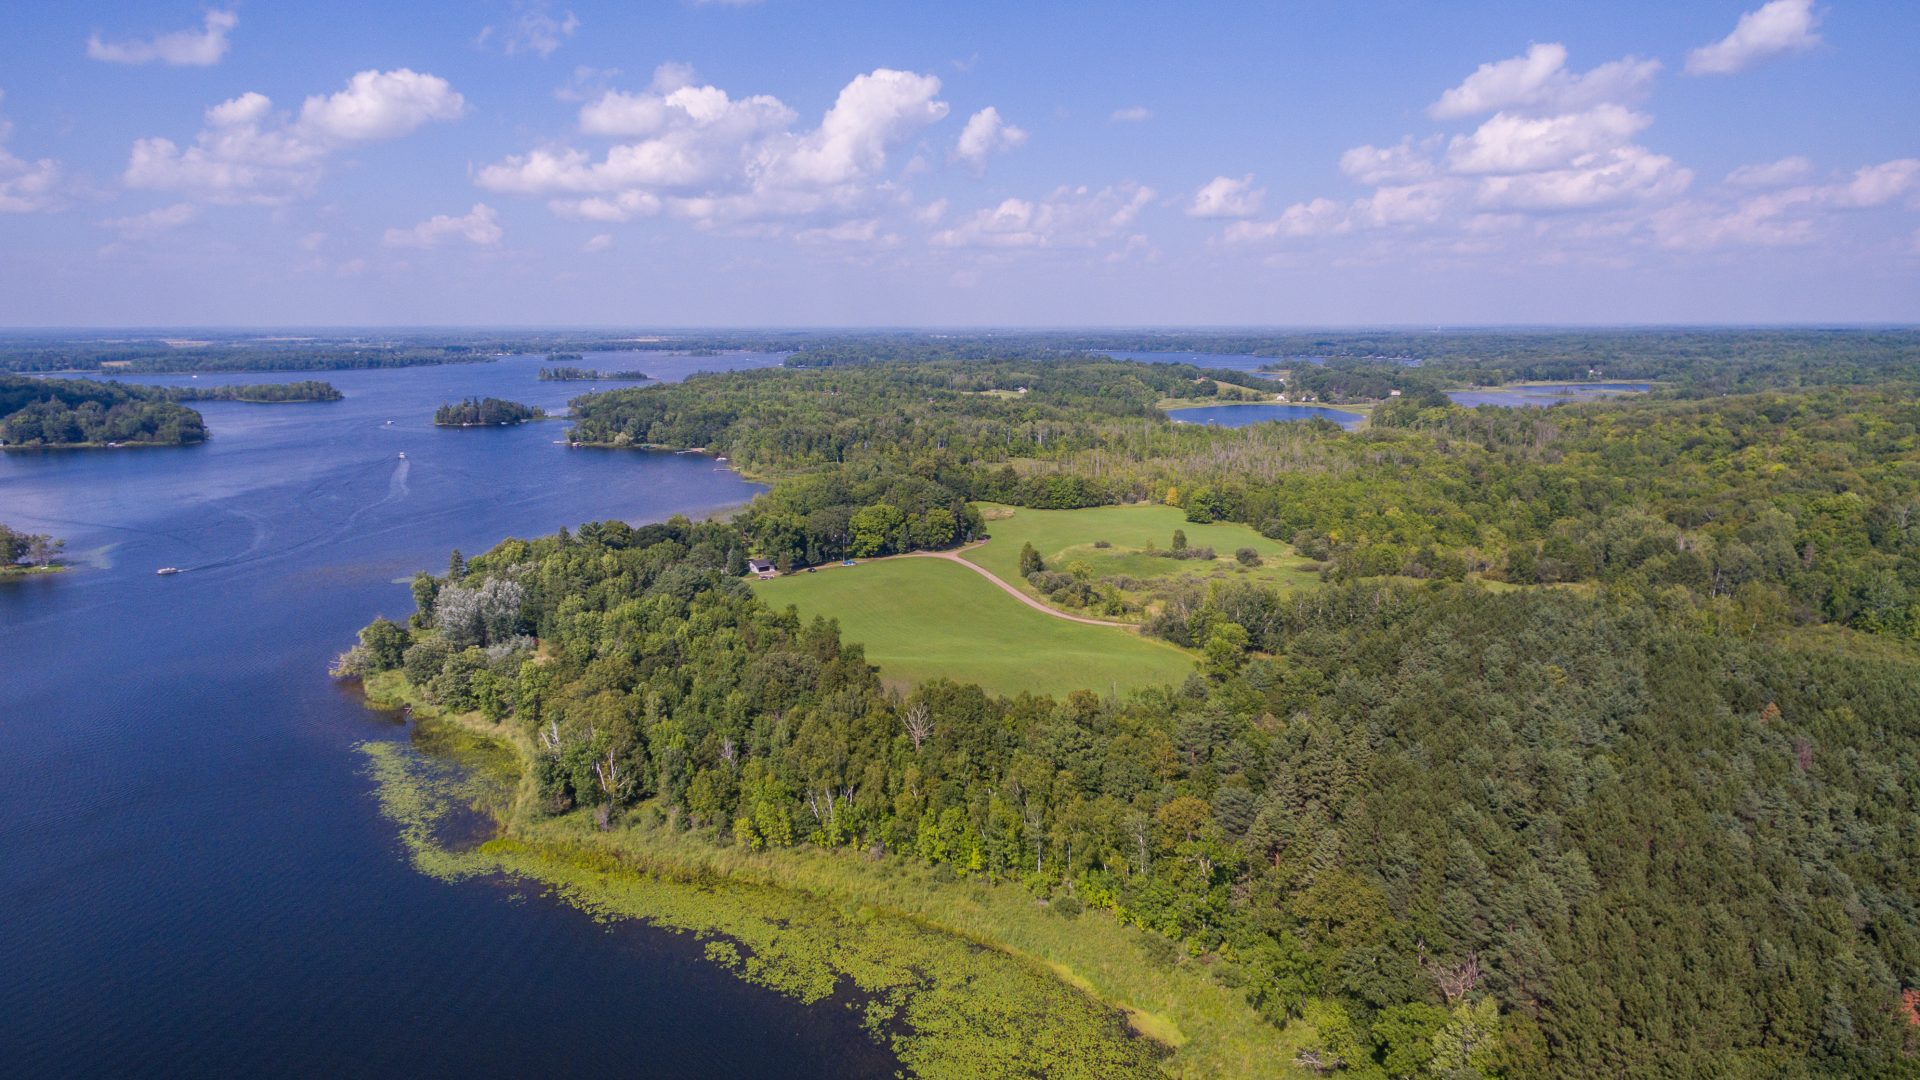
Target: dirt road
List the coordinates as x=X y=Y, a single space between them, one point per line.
x=1011 y=590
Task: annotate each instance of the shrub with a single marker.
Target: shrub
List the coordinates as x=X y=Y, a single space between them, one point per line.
x=1030 y=561
x=385 y=642
x=355 y=663
x=1049 y=581
x=1247 y=557
x=424 y=659
x=1159 y=948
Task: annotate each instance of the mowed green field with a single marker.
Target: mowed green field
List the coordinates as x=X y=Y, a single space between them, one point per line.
x=1061 y=536
x=927 y=618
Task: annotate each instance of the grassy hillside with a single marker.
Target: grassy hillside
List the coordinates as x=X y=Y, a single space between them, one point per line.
x=1063 y=536
x=926 y=618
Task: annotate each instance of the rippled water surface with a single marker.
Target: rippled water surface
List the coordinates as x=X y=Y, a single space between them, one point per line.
x=193 y=875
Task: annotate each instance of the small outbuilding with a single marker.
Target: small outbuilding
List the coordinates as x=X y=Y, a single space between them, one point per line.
x=761 y=568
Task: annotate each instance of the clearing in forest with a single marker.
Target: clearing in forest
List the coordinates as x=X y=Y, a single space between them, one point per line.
x=1137 y=562
x=922 y=618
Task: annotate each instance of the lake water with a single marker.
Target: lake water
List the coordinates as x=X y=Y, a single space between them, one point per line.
x=1545 y=394
x=1235 y=416
x=194 y=876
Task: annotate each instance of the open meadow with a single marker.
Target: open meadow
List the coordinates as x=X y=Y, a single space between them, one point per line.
x=1138 y=538
x=928 y=618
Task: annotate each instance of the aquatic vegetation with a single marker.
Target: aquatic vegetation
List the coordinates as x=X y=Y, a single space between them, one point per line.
x=948 y=1006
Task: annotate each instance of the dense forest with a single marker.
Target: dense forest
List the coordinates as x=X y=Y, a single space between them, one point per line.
x=1798 y=506
x=256 y=393
x=1593 y=753
x=485 y=412
x=77 y=412
x=1527 y=834
x=580 y=374
x=71 y=412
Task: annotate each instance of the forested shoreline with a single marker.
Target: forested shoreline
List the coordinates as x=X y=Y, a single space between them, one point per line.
x=255 y=393
x=53 y=413
x=567 y=373
x=24 y=552
x=1593 y=753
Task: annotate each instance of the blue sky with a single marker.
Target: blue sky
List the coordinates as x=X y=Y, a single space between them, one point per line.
x=790 y=163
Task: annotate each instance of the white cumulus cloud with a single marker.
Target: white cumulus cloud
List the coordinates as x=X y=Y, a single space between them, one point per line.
x=1396 y=164
x=182 y=48
x=986 y=133
x=479 y=226
x=1507 y=143
x=248 y=152
x=28 y=187
x=1877 y=185
x=1623 y=174
x=382 y=105
x=695 y=152
x=1227 y=197
x=1069 y=217
x=1319 y=217
x=1771 y=173
x=1539 y=81
x=873 y=113
x=1793 y=215
x=1554 y=154
x=1781 y=26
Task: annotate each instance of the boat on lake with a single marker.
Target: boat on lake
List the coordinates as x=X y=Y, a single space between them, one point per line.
x=165 y=570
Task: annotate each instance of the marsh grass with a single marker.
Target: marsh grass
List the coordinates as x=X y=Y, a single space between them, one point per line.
x=960 y=979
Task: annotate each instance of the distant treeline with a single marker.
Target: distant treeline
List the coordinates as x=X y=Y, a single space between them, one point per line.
x=226 y=351
x=259 y=393
x=1368 y=366
x=485 y=412
x=1335 y=365
x=579 y=374
x=133 y=359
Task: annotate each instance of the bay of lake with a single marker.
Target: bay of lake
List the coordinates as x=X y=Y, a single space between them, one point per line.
x=194 y=875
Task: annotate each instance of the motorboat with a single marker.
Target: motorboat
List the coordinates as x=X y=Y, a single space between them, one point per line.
x=165 y=570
